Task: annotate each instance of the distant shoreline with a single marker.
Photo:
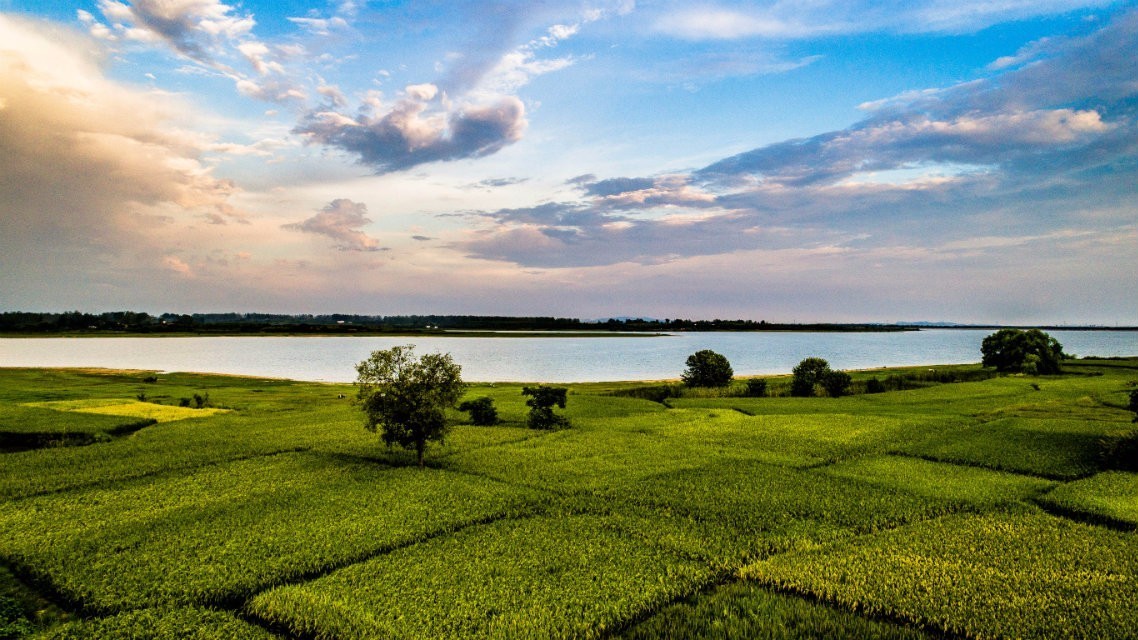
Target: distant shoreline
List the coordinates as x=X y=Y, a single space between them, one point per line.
x=330 y=334
x=348 y=332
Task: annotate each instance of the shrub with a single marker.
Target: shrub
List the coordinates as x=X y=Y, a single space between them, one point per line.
x=808 y=373
x=1133 y=406
x=756 y=388
x=873 y=385
x=655 y=393
x=836 y=383
x=541 y=402
x=482 y=411
x=707 y=368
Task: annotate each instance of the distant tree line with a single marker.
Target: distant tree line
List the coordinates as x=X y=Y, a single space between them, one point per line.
x=139 y=322
x=135 y=322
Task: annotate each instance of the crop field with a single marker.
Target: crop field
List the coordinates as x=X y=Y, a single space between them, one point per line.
x=980 y=509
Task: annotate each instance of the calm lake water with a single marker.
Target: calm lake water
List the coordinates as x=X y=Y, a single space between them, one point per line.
x=333 y=359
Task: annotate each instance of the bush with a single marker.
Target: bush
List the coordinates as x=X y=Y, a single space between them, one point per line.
x=756 y=388
x=1134 y=404
x=541 y=402
x=655 y=393
x=836 y=383
x=707 y=368
x=808 y=373
x=873 y=385
x=482 y=411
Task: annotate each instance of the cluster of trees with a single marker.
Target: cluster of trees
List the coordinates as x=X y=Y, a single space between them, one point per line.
x=707 y=368
x=70 y=321
x=816 y=372
x=1029 y=351
x=679 y=324
x=406 y=398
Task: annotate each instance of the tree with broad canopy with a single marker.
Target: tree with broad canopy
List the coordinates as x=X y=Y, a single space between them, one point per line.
x=406 y=398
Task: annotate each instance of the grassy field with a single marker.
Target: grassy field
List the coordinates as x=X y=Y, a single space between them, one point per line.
x=980 y=508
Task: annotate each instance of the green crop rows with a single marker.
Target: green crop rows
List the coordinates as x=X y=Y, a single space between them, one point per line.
x=980 y=509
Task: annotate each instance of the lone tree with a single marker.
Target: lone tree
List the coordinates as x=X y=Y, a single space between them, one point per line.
x=809 y=372
x=1016 y=350
x=541 y=402
x=707 y=368
x=406 y=398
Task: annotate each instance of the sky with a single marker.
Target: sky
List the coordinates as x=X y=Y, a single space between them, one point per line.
x=971 y=161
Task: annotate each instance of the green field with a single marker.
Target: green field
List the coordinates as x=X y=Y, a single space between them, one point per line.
x=981 y=509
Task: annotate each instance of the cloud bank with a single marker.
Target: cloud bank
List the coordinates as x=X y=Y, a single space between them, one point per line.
x=99 y=180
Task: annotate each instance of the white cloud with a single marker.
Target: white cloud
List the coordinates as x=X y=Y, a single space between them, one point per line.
x=714 y=23
x=321 y=26
x=195 y=28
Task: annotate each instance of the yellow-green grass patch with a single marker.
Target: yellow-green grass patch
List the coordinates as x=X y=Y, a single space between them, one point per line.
x=130 y=409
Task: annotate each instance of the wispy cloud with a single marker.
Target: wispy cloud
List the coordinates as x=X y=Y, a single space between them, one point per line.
x=797 y=20
x=1038 y=139
x=209 y=33
x=197 y=29
x=471 y=111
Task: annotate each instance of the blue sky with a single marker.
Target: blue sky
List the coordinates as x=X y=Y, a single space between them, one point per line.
x=971 y=161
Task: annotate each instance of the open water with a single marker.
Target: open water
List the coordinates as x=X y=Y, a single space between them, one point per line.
x=333 y=359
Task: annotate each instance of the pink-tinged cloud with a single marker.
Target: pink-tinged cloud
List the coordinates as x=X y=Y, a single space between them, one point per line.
x=340 y=220
x=177 y=265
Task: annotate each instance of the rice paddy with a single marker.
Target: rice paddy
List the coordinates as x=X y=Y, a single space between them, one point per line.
x=980 y=509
